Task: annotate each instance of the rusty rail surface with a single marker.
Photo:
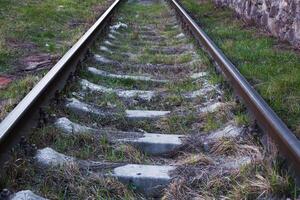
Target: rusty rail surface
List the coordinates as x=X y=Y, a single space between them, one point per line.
x=26 y=114
x=288 y=143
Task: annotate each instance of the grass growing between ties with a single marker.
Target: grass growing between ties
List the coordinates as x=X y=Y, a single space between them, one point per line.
x=110 y=100
x=178 y=124
x=86 y=146
x=128 y=84
x=258 y=180
x=268 y=65
x=69 y=182
x=165 y=59
x=181 y=86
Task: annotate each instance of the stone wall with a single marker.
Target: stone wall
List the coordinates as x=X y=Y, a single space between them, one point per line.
x=280 y=17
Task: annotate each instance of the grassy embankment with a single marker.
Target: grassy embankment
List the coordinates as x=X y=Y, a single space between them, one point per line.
x=272 y=67
x=33 y=29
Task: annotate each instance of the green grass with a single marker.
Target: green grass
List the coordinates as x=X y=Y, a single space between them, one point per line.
x=274 y=72
x=166 y=59
x=69 y=182
x=51 y=25
x=178 y=124
x=263 y=180
x=144 y=12
x=60 y=182
x=14 y=92
x=181 y=86
x=128 y=84
x=211 y=123
x=48 y=26
x=86 y=146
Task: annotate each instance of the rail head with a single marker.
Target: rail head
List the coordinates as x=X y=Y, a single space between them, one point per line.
x=287 y=142
x=18 y=116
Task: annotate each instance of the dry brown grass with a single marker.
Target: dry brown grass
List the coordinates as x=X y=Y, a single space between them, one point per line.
x=15 y=92
x=193 y=143
x=197 y=178
x=80 y=184
x=131 y=153
x=199 y=184
x=195 y=160
x=224 y=147
x=264 y=183
x=178 y=190
x=68 y=182
x=254 y=181
x=232 y=147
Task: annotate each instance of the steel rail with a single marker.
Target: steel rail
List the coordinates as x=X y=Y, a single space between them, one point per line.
x=26 y=111
x=25 y=114
x=287 y=142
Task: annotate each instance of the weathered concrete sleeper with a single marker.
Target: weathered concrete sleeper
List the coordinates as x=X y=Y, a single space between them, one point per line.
x=118 y=76
x=81 y=108
x=150 y=143
x=142 y=94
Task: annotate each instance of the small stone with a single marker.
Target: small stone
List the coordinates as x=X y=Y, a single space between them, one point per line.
x=118 y=26
x=235 y=163
x=211 y=107
x=198 y=75
x=26 y=195
x=47 y=157
x=70 y=127
x=180 y=36
x=81 y=108
x=201 y=92
x=229 y=131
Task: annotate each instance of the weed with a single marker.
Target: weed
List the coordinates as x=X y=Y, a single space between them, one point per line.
x=15 y=92
x=210 y=123
x=242 y=119
x=183 y=86
x=263 y=181
x=178 y=123
x=224 y=147
x=195 y=160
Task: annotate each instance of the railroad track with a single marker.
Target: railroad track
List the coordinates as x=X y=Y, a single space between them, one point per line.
x=136 y=103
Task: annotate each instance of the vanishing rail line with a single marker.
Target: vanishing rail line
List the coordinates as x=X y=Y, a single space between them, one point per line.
x=144 y=94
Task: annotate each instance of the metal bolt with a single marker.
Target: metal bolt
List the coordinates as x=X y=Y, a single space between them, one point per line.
x=219 y=98
x=23 y=140
x=237 y=100
x=34 y=147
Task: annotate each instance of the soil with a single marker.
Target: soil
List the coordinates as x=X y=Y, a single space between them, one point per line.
x=4 y=81
x=37 y=61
